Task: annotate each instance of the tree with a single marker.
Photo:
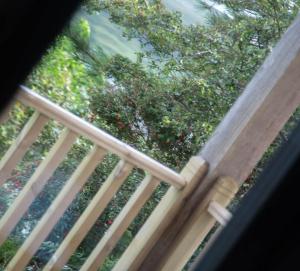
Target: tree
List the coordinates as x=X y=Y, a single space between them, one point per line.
x=187 y=77
x=166 y=104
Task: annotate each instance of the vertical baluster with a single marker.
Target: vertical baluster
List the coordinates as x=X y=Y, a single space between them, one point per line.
x=122 y=222
x=19 y=147
x=57 y=209
x=89 y=216
x=161 y=217
x=36 y=183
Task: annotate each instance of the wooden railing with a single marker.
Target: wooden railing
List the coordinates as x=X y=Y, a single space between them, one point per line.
x=197 y=196
x=103 y=143
x=181 y=186
x=234 y=149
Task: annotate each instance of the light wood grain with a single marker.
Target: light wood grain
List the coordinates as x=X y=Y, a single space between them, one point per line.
x=206 y=248
x=221 y=214
x=234 y=149
x=101 y=138
x=245 y=133
x=259 y=114
x=56 y=210
x=89 y=216
x=36 y=183
x=19 y=147
x=161 y=217
x=187 y=242
x=119 y=226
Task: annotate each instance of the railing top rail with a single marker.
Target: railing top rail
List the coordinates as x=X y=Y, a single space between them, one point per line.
x=99 y=137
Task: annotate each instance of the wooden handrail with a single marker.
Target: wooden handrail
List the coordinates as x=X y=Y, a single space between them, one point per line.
x=75 y=127
x=238 y=143
x=99 y=137
x=233 y=150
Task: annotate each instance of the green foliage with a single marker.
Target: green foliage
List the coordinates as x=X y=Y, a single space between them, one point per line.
x=166 y=104
x=66 y=80
x=75 y=261
x=80 y=30
x=196 y=74
x=7 y=251
x=122 y=245
x=63 y=78
x=9 y=130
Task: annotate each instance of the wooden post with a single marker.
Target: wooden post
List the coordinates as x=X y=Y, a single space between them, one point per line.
x=222 y=216
x=199 y=225
x=207 y=246
x=240 y=140
x=219 y=212
x=161 y=217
